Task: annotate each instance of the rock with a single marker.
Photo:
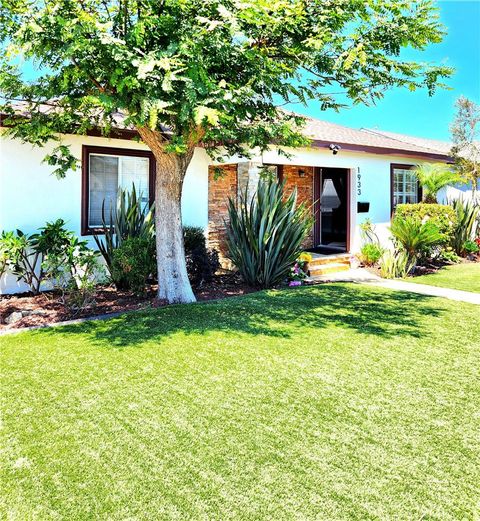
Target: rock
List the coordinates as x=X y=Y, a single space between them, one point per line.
x=33 y=312
x=13 y=317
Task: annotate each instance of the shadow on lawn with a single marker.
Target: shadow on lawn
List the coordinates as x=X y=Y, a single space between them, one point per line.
x=273 y=313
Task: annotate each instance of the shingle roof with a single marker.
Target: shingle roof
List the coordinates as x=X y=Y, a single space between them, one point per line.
x=432 y=144
x=323 y=133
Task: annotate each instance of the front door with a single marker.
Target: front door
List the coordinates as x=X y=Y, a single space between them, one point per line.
x=331 y=210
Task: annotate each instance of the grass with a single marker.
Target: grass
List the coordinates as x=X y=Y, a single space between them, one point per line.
x=459 y=276
x=330 y=402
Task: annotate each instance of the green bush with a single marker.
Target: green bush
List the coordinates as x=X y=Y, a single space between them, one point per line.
x=134 y=262
x=470 y=247
x=370 y=254
x=415 y=237
x=265 y=235
x=202 y=263
x=441 y=215
x=130 y=219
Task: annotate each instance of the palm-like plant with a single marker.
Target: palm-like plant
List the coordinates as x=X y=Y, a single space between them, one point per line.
x=433 y=177
x=265 y=234
x=415 y=237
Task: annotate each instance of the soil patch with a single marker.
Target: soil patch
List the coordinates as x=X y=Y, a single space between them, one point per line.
x=24 y=310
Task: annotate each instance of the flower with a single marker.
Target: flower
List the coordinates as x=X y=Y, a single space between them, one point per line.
x=295 y=283
x=305 y=257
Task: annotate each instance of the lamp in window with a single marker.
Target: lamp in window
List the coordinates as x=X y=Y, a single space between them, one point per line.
x=329 y=200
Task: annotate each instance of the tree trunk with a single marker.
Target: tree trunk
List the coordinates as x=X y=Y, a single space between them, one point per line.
x=173 y=283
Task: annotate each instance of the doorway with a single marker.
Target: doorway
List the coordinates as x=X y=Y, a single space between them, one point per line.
x=331 y=206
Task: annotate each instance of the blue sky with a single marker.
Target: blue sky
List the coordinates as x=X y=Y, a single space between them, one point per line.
x=416 y=113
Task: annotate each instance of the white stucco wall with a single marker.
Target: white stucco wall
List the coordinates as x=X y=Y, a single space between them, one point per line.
x=374 y=171
x=30 y=195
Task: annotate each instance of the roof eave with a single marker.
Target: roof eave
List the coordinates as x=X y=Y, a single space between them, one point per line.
x=317 y=143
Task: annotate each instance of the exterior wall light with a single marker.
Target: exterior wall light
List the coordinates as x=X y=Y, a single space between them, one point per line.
x=335 y=148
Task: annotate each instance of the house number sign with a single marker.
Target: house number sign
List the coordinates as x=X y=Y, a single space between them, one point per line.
x=359 y=183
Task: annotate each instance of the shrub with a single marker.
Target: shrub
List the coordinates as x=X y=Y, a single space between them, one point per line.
x=202 y=263
x=265 y=234
x=24 y=254
x=448 y=255
x=3 y=258
x=415 y=237
x=441 y=215
x=396 y=264
x=130 y=219
x=74 y=271
x=470 y=247
x=55 y=255
x=466 y=226
x=133 y=262
x=370 y=254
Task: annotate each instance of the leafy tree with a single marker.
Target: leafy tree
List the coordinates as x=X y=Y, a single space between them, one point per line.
x=433 y=177
x=185 y=72
x=465 y=131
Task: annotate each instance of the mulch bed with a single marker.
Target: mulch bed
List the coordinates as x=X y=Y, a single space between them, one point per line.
x=46 y=309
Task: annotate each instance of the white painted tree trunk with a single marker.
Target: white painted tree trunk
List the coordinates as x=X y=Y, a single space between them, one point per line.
x=173 y=283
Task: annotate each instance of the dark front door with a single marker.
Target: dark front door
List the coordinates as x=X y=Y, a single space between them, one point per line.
x=331 y=210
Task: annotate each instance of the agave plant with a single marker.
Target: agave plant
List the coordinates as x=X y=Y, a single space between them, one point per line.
x=130 y=219
x=266 y=232
x=433 y=177
x=467 y=224
x=415 y=237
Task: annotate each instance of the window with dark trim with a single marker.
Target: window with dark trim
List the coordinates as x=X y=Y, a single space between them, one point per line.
x=105 y=170
x=405 y=188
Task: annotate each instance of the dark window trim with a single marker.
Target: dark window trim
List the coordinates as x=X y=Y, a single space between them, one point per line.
x=89 y=149
x=404 y=167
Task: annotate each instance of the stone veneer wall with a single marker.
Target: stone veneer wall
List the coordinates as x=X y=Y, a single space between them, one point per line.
x=291 y=176
x=219 y=190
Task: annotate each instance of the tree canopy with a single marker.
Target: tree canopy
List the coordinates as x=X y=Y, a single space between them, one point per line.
x=465 y=131
x=213 y=71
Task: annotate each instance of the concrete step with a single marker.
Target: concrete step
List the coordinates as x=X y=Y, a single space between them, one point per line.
x=321 y=260
x=332 y=267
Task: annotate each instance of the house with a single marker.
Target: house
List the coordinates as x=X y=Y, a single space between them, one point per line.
x=347 y=174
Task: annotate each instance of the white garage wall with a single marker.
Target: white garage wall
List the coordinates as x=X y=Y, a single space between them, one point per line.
x=30 y=195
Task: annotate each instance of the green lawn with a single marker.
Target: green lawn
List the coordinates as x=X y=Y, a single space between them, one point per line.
x=330 y=402
x=459 y=276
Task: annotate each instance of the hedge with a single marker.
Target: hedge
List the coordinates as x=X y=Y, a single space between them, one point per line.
x=443 y=216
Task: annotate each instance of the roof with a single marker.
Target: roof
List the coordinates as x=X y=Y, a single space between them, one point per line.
x=433 y=144
x=375 y=141
x=323 y=134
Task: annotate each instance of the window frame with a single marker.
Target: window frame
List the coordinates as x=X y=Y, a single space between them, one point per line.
x=393 y=166
x=87 y=150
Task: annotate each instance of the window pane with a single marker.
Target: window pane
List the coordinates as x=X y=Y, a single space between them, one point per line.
x=134 y=171
x=405 y=186
x=107 y=174
x=103 y=183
